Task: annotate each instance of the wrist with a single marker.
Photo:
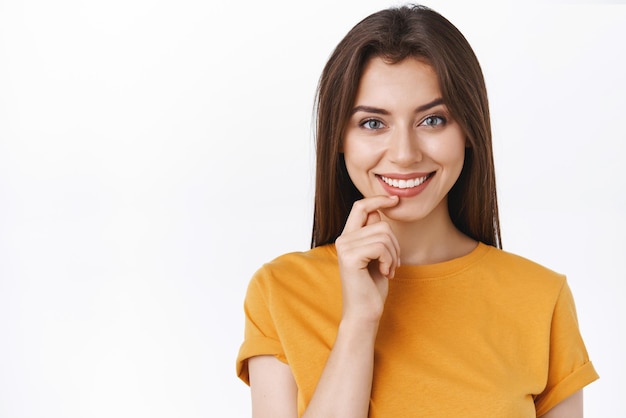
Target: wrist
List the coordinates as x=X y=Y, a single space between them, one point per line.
x=359 y=326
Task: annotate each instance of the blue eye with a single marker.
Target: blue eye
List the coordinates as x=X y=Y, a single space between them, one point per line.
x=434 y=121
x=372 y=124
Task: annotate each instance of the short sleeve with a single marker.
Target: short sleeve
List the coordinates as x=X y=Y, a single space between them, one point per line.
x=570 y=369
x=260 y=336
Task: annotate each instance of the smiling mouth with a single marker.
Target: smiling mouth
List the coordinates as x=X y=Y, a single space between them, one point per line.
x=406 y=184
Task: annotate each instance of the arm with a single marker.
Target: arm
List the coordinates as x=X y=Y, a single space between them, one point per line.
x=346 y=383
x=368 y=255
x=347 y=379
x=272 y=387
x=571 y=407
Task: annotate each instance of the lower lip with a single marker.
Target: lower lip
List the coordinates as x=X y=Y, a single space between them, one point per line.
x=408 y=192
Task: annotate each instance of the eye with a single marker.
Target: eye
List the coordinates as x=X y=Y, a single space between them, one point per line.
x=372 y=124
x=434 y=121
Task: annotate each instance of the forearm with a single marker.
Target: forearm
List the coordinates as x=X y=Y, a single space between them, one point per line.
x=346 y=383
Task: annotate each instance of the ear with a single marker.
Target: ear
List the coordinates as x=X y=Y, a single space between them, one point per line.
x=468 y=144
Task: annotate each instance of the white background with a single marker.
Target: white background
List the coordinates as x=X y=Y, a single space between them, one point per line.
x=153 y=154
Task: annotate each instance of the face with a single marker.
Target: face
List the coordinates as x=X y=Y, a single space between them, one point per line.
x=401 y=139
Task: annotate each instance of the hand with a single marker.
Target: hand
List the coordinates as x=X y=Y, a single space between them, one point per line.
x=368 y=255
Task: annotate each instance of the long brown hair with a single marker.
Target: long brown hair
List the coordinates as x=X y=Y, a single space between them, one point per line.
x=395 y=34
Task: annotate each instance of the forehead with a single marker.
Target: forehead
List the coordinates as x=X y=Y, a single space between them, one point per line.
x=411 y=79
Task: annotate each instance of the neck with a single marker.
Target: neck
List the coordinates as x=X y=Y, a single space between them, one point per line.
x=431 y=240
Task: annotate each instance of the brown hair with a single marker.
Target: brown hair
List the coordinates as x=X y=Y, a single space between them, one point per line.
x=395 y=34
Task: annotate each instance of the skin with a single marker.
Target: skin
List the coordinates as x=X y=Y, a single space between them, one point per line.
x=399 y=129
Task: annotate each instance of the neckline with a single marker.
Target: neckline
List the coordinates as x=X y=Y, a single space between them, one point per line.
x=445 y=268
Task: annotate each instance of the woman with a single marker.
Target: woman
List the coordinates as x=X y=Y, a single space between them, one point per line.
x=406 y=305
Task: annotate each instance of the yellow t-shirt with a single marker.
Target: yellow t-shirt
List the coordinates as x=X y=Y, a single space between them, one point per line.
x=489 y=334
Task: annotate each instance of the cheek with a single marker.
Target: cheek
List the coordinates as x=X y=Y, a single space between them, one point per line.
x=449 y=151
x=360 y=159
x=455 y=161
x=350 y=155
x=358 y=155
x=356 y=167
x=445 y=153
x=457 y=154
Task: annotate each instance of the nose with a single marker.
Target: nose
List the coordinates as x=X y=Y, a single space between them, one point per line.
x=404 y=148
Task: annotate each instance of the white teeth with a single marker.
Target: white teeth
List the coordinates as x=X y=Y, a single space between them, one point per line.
x=404 y=184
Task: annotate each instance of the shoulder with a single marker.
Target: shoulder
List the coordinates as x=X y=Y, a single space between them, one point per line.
x=316 y=258
x=517 y=267
x=509 y=260
x=299 y=270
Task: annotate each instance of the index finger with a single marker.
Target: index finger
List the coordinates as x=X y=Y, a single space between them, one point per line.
x=357 y=218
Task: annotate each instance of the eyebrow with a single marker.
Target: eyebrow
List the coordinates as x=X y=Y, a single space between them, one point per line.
x=377 y=110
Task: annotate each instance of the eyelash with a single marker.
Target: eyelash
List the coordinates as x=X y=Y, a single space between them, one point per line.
x=365 y=123
x=441 y=121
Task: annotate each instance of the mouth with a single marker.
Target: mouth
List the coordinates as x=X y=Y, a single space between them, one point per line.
x=406 y=183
